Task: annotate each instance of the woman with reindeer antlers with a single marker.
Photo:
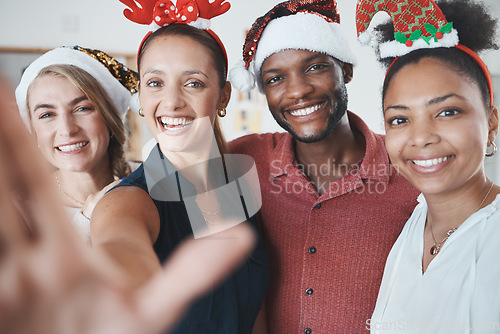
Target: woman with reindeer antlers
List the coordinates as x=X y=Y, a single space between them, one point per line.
x=188 y=185
x=51 y=282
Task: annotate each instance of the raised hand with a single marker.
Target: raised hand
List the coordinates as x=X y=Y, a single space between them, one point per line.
x=51 y=282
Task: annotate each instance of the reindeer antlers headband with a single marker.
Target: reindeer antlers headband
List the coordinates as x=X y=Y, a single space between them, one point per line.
x=161 y=13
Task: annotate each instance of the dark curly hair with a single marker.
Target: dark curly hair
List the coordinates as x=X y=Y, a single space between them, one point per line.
x=476 y=30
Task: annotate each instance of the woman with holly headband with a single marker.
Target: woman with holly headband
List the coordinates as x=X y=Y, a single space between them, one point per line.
x=442 y=274
x=188 y=186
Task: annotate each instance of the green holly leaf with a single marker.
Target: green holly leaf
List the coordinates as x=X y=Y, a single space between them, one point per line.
x=401 y=38
x=430 y=28
x=416 y=35
x=447 y=28
x=427 y=39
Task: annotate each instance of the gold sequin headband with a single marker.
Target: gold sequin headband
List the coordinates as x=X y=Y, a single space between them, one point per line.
x=127 y=77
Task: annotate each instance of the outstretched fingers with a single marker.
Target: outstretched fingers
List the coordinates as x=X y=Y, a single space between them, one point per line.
x=197 y=266
x=38 y=249
x=26 y=175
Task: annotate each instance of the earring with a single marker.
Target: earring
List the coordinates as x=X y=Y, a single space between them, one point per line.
x=221 y=112
x=492 y=153
x=141 y=112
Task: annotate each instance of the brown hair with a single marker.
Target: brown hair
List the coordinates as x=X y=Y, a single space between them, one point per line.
x=214 y=50
x=103 y=104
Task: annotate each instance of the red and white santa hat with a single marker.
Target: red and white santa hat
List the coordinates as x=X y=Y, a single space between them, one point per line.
x=161 y=13
x=118 y=81
x=418 y=24
x=312 y=25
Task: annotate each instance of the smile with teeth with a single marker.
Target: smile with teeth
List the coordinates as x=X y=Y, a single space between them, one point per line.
x=305 y=111
x=175 y=122
x=72 y=147
x=430 y=162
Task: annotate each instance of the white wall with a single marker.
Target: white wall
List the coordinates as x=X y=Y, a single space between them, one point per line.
x=100 y=24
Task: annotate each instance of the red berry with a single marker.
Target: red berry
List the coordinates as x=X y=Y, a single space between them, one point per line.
x=409 y=43
x=439 y=35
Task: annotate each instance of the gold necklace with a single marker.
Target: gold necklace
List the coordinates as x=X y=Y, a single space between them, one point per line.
x=65 y=193
x=437 y=245
x=211 y=216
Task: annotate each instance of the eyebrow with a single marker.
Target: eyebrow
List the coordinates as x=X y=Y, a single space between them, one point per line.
x=153 y=71
x=51 y=106
x=186 y=73
x=443 y=98
x=433 y=101
x=307 y=60
x=195 y=72
x=397 y=107
x=314 y=56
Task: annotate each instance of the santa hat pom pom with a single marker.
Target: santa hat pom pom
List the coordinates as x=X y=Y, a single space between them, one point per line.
x=241 y=78
x=134 y=103
x=364 y=37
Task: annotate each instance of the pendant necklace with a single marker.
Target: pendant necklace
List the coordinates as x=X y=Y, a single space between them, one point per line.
x=437 y=245
x=65 y=193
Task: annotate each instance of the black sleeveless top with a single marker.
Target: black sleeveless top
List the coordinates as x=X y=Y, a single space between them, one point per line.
x=233 y=306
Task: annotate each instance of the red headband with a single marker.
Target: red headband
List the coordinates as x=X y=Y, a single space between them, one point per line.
x=160 y=13
x=474 y=56
x=483 y=66
x=211 y=32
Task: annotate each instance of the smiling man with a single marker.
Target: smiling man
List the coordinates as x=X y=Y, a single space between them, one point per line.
x=332 y=203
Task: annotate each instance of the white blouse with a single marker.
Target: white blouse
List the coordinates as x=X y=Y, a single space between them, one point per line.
x=460 y=290
x=80 y=222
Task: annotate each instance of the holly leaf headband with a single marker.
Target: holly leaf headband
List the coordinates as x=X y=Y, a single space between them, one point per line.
x=417 y=24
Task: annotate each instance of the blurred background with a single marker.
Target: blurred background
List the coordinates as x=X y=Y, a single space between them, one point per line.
x=32 y=27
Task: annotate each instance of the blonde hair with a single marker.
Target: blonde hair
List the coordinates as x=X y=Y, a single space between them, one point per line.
x=104 y=106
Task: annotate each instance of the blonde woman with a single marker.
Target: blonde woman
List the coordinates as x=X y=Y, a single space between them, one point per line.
x=74 y=100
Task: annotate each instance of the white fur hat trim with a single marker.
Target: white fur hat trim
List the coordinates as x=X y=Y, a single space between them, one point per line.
x=397 y=49
x=119 y=95
x=303 y=31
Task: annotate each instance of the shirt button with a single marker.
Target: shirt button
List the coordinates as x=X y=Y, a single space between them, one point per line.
x=309 y=291
x=312 y=250
x=307 y=331
x=318 y=206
